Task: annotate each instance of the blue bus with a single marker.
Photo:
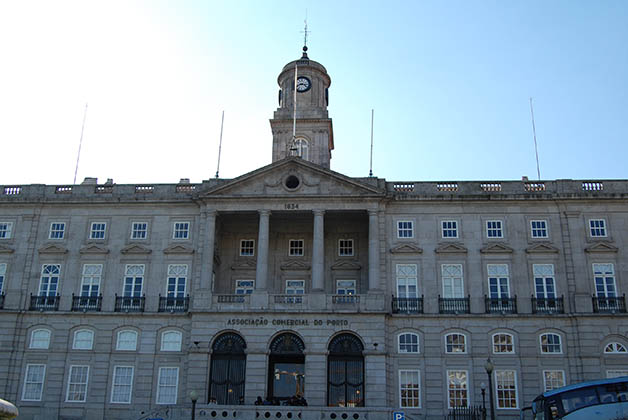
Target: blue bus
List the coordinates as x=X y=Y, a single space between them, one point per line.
x=604 y=399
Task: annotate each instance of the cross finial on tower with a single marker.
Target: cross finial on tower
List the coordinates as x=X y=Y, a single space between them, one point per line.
x=305 y=32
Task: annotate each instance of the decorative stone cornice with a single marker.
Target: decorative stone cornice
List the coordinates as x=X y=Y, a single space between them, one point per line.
x=346 y=265
x=6 y=250
x=295 y=266
x=135 y=249
x=497 y=248
x=179 y=249
x=542 y=248
x=451 y=249
x=92 y=249
x=406 y=249
x=53 y=249
x=601 y=247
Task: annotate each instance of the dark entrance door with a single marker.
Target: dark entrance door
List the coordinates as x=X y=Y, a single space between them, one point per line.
x=286 y=367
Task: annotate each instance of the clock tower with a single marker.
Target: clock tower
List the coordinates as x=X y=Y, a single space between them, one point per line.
x=313 y=139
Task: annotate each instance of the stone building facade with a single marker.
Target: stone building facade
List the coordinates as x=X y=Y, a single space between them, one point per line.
x=364 y=296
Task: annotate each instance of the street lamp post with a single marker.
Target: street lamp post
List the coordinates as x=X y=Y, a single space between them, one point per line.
x=483 y=388
x=489 y=371
x=194 y=398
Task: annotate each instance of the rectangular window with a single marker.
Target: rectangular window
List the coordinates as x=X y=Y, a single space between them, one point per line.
x=597 y=228
x=295 y=248
x=139 y=230
x=408 y=343
x=57 y=230
x=407 y=281
x=498 y=284
x=506 y=387
x=77 y=384
x=295 y=287
x=3 y=273
x=6 y=229
x=177 y=278
x=553 y=379
x=538 y=228
x=550 y=343
x=503 y=343
x=449 y=228
x=90 y=284
x=345 y=287
x=405 y=229
x=122 y=384
x=453 y=281
x=133 y=280
x=457 y=388
x=604 y=275
x=97 y=230
x=167 y=388
x=494 y=229
x=455 y=343
x=49 y=283
x=181 y=230
x=247 y=248
x=409 y=395
x=244 y=287
x=33 y=382
x=544 y=281
x=345 y=247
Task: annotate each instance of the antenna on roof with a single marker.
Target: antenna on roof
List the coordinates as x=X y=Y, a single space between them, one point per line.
x=371 y=165
x=222 y=122
x=536 y=150
x=80 y=144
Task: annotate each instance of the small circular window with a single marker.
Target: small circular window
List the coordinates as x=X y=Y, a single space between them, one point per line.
x=292 y=182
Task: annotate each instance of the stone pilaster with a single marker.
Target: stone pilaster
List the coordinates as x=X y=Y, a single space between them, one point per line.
x=261 y=273
x=318 y=252
x=373 y=250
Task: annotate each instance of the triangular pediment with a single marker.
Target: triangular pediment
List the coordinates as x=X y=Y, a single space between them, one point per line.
x=244 y=265
x=179 y=249
x=602 y=247
x=6 y=250
x=53 y=249
x=406 y=249
x=295 y=266
x=496 y=249
x=293 y=177
x=94 y=249
x=135 y=249
x=451 y=249
x=542 y=248
x=346 y=265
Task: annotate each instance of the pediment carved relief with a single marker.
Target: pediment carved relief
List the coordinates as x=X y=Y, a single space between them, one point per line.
x=179 y=249
x=406 y=249
x=542 y=248
x=295 y=266
x=451 y=249
x=346 y=265
x=497 y=249
x=92 y=249
x=602 y=247
x=53 y=249
x=135 y=249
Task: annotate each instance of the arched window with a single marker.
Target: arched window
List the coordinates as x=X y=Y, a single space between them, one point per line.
x=345 y=372
x=83 y=340
x=127 y=340
x=408 y=343
x=503 y=343
x=228 y=368
x=550 y=343
x=302 y=148
x=286 y=367
x=40 y=339
x=171 y=341
x=615 y=348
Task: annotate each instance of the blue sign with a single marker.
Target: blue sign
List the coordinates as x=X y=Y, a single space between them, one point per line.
x=399 y=415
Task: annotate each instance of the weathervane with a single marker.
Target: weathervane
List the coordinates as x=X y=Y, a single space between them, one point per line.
x=305 y=32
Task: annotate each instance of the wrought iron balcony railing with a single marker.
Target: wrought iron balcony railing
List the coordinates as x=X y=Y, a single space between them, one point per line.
x=130 y=303
x=86 y=303
x=174 y=304
x=2 y=300
x=44 y=303
x=454 y=305
x=547 y=306
x=500 y=305
x=609 y=305
x=407 y=305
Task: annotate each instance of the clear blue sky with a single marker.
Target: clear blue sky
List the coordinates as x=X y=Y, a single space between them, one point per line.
x=450 y=83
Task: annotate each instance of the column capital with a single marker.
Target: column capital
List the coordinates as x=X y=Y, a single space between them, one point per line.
x=209 y=212
x=373 y=212
x=318 y=212
x=264 y=212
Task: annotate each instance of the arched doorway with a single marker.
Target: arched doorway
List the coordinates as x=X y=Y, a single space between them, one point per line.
x=345 y=372
x=286 y=367
x=228 y=370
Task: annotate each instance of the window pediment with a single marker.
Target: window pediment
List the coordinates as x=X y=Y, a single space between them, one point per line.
x=244 y=265
x=6 y=250
x=135 y=249
x=406 y=249
x=295 y=265
x=601 y=247
x=346 y=265
x=497 y=249
x=451 y=249
x=53 y=249
x=542 y=248
x=92 y=248
x=179 y=249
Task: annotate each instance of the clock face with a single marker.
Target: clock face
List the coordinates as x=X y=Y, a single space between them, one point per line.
x=303 y=84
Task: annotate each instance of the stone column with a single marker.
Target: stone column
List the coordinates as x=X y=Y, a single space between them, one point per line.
x=318 y=252
x=373 y=250
x=261 y=273
x=209 y=245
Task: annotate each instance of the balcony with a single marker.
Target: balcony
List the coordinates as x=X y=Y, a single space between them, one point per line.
x=548 y=306
x=44 y=303
x=232 y=298
x=500 y=305
x=174 y=304
x=130 y=303
x=345 y=299
x=86 y=303
x=609 y=305
x=453 y=305
x=291 y=299
x=407 y=305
